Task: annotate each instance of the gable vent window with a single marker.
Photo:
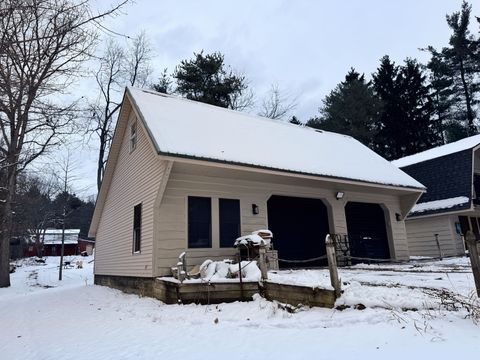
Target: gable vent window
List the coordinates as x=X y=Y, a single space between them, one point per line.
x=199 y=222
x=137 y=224
x=133 y=136
x=229 y=221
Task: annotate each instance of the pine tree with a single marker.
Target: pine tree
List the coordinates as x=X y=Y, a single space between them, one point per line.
x=294 y=120
x=460 y=63
x=389 y=126
x=350 y=109
x=442 y=95
x=419 y=132
x=164 y=84
x=206 y=78
x=405 y=125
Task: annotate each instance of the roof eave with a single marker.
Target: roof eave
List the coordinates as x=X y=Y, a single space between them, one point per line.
x=243 y=166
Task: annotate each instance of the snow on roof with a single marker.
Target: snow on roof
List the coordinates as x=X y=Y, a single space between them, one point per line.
x=181 y=127
x=54 y=236
x=460 y=145
x=59 y=231
x=439 y=204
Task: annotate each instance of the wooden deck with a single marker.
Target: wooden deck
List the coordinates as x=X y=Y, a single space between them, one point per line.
x=299 y=295
x=173 y=292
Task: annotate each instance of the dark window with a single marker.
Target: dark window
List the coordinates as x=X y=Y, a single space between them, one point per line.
x=229 y=221
x=464 y=224
x=473 y=221
x=133 y=136
x=137 y=224
x=199 y=222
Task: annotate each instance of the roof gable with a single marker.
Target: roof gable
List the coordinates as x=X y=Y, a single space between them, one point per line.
x=185 y=128
x=447 y=178
x=448 y=149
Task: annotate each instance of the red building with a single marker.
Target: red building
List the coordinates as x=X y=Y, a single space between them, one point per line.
x=52 y=243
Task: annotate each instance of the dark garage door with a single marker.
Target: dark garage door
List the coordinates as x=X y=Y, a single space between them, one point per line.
x=299 y=227
x=367 y=232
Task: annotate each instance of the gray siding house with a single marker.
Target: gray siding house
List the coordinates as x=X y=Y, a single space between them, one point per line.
x=450 y=206
x=186 y=176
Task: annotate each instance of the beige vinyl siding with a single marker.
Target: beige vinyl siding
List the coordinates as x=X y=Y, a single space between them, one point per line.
x=253 y=188
x=136 y=179
x=421 y=236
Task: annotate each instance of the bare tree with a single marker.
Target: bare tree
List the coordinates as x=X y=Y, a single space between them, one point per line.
x=65 y=175
x=277 y=105
x=118 y=67
x=243 y=101
x=43 y=44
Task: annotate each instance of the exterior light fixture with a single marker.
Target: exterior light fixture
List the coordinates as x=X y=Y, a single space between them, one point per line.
x=255 y=210
x=398 y=217
x=339 y=195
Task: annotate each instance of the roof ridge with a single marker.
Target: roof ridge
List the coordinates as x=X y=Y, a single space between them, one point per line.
x=245 y=114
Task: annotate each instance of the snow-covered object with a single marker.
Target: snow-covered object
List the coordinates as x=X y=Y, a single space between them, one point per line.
x=180 y=127
x=223 y=270
x=250 y=270
x=262 y=232
x=252 y=240
x=207 y=271
x=440 y=204
x=460 y=145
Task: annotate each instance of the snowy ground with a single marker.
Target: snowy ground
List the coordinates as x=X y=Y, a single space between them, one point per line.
x=404 y=317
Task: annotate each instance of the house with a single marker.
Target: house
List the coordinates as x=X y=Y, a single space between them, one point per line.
x=86 y=246
x=187 y=176
x=450 y=206
x=52 y=242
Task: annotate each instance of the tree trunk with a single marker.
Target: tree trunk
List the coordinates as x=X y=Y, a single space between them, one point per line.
x=471 y=126
x=6 y=224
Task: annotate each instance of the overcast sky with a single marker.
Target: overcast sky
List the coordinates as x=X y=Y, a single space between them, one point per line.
x=306 y=47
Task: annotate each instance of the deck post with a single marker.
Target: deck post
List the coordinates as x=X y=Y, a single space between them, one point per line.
x=262 y=259
x=471 y=241
x=332 y=265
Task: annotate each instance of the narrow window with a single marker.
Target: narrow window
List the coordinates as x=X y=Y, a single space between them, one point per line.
x=199 y=222
x=229 y=221
x=137 y=224
x=133 y=136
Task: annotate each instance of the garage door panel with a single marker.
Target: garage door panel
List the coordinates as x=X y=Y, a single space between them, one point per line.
x=299 y=227
x=367 y=230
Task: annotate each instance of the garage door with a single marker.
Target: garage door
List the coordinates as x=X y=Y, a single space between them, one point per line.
x=299 y=227
x=367 y=231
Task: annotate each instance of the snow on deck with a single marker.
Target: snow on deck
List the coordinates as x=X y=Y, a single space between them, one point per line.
x=439 y=204
x=460 y=145
x=182 y=127
x=74 y=319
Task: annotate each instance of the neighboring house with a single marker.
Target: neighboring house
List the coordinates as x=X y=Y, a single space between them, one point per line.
x=86 y=246
x=52 y=242
x=450 y=206
x=187 y=176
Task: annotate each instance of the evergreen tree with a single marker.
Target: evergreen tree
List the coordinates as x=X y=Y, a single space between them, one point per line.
x=389 y=125
x=460 y=64
x=294 y=120
x=350 y=109
x=205 y=78
x=164 y=84
x=405 y=126
x=419 y=132
x=442 y=95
